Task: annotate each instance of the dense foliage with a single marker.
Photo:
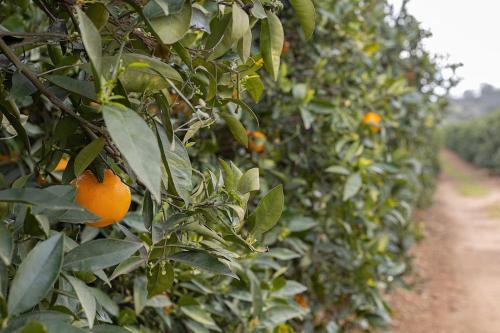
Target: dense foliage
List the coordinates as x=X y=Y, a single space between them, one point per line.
x=475 y=140
x=273 y=169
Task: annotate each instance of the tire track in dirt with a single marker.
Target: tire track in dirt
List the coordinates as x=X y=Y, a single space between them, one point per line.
x=459 y=260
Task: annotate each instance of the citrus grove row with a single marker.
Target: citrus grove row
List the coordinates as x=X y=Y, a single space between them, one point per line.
x=210 y=166
x=476 y=141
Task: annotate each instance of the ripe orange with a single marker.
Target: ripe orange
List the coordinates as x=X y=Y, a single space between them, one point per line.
x=256 y=141
x=179 y=106
x=301 y=300
x=61 y=165
x=373 y=120
x=286 y=47
x=410 y=75
x=9 y=157
x=109 y=200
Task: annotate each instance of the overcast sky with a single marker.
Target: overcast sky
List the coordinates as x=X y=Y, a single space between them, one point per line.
x=468 y=32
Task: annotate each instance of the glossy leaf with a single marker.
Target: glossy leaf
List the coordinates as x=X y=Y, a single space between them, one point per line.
x=86 y=298
x=99 y=254
x=91 y=39
x=160 y=279
x=137 y=143
x=352 y=186
x=6 y=244
x=87 y=155
x=171 y=28
x=271 y=43
x=249 y=181
x=304 y=9
x=237 y=129
x=268 y=211
x=36 y=275
x=202 y=261
x=79 y=87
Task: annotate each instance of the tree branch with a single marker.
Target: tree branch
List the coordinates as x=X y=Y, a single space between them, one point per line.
x=87 y=125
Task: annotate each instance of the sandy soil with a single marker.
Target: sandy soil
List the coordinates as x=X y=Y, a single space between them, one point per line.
x=459 y=261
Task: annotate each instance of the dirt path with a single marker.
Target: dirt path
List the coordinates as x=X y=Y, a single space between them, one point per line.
x=459 y=261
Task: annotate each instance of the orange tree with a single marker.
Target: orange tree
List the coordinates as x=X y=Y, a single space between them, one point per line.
x=100 y=98
x=102 y=105
x=350 y=134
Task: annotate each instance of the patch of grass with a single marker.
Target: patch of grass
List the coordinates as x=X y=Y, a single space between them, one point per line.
x=467 y=185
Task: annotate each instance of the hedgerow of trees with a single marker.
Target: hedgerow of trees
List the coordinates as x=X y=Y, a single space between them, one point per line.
x=268 y=157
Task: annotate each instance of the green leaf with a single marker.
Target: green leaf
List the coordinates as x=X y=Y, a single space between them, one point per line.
x=178 y=166
x=268 y=211
x=99 y=254
x=338 y=169
x=304 y=9
x=98 y=14
x=301 y=223
x=105 y=301
x=105 y=328
x=91 y=39
x=160 y=279
x=218 y=26
x=254 y=87
x=15 y=121
x=127 y=266
x=79 y=87
x=237 y=129
x=142 y=73
x=158 y=8
x=249 y=181
x=291 y=288
x=34 y=327
x=202 y=261
x=140 y=294
x=278 y=314
x=21 y=86
x=6 y=244
x=271 y=43
x=171 y=28
x=87 y=155
x=255 y=289
x=36 y=275
x=282 y=253
x=42 y=198
x=137 y=143
x=52 y=320
x=240 y=23
x=197 y=313
x=352 y=186
x=86 y=298
x=245 y=45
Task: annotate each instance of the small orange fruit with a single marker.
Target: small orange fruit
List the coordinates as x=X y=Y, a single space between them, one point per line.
x=179 y=106
x=286 y=47
x=410 y=75
x=61 y=165
x=301 y=300
x=373 y=120
x=42 y=180
x=256 y=141
x=110 y=200
x=168 y=309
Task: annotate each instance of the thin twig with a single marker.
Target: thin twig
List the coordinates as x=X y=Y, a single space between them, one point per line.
x=87 y=125
x=39 y=85
x=48 y=35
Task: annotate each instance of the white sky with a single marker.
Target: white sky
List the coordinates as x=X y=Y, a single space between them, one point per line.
x=466 y=31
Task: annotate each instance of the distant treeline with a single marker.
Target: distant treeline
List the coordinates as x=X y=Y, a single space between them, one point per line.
x=472 y=105
x=477 y=140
